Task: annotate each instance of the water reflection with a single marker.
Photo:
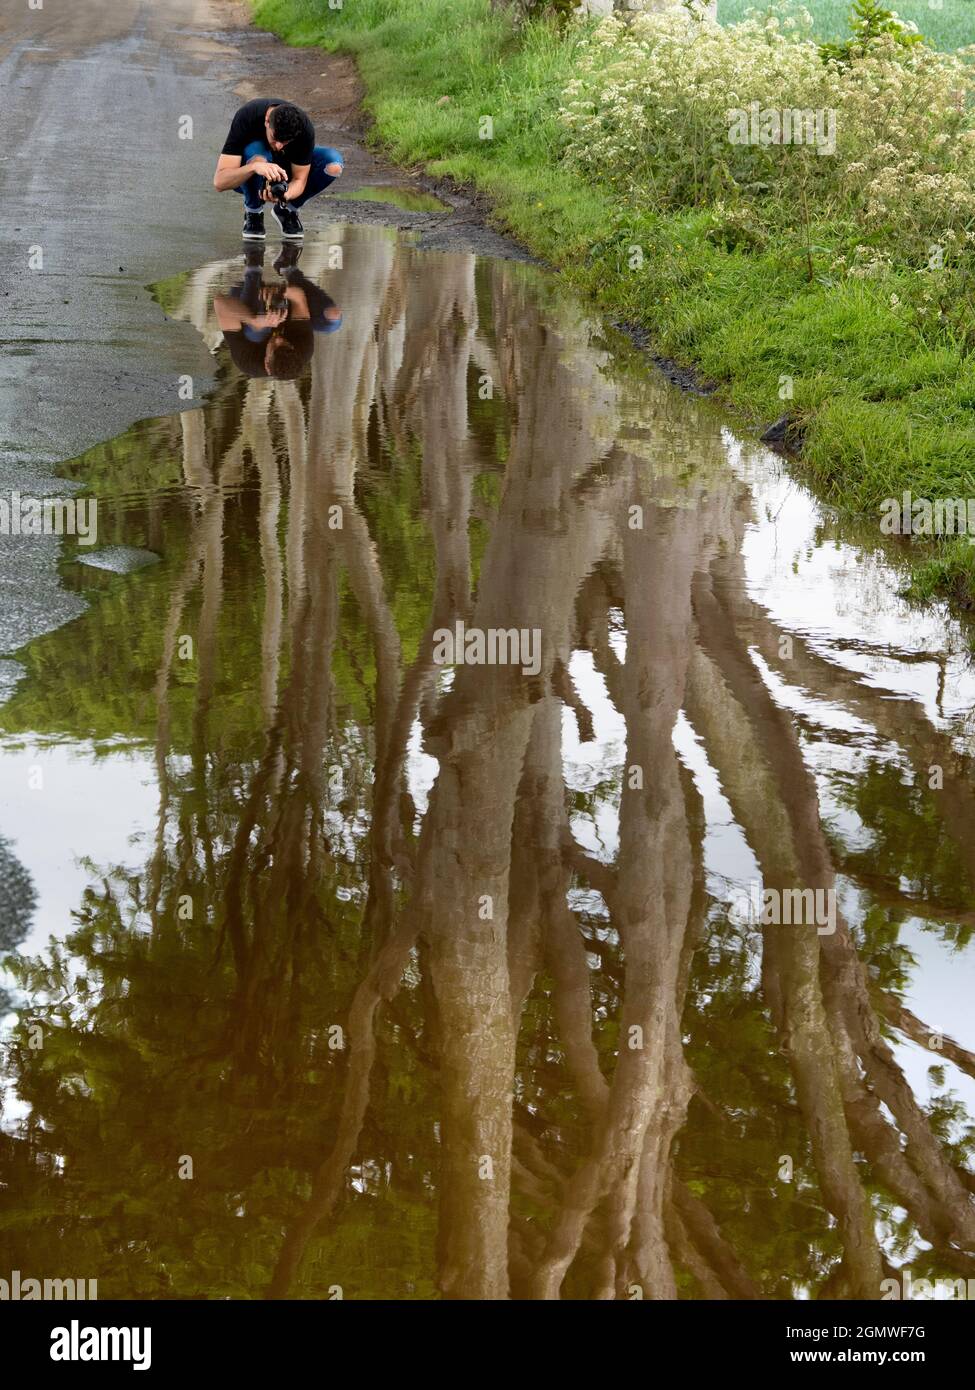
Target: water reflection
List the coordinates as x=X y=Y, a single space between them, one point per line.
x=428 y=976
x=269 y=329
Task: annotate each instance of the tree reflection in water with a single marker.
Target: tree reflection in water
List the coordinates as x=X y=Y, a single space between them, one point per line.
x=564 y=1070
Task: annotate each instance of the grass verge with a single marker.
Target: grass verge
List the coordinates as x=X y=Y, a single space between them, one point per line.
x=884 y=391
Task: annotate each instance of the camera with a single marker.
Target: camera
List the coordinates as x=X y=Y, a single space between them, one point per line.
x=278 y=188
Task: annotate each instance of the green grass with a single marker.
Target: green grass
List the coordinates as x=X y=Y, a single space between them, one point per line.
x=950 y=27
x=885 y=397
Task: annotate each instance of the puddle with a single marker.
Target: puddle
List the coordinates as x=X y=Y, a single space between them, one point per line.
x=17 y=898
x=412 y=961
x=408 y=199
x=10 y=674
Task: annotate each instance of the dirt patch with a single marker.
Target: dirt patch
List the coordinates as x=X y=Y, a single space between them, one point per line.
x=326 y=85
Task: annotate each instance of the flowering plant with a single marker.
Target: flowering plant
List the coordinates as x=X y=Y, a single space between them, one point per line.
x=674 y=110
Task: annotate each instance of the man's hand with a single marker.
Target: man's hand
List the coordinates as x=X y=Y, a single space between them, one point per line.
x=271 y=318
x=272 y=172
x=273 y=312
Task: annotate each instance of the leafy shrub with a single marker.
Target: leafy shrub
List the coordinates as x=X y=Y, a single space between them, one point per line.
x=650 y=113
x=870 y=24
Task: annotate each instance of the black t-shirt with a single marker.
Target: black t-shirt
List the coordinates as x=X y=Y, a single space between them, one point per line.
x=248 y=125
x=248 y=354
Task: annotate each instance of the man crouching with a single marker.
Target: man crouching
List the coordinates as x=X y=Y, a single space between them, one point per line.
x=270 y=156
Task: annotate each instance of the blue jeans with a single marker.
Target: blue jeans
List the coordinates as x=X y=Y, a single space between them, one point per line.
x=317 y=177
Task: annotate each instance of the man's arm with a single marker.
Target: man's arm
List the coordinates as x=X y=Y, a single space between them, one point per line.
x=231 y=315
x=298 y=300
x=230 y=173
x=299 y=178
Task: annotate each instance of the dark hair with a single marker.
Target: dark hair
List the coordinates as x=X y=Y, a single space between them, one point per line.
x=287 y=122
x=285 y=360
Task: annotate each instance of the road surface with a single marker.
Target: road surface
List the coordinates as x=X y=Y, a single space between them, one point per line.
x=113 y=112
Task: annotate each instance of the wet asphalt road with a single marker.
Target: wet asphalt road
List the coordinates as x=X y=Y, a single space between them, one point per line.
x=96 y=175
x=111 y=117
x=101 y=197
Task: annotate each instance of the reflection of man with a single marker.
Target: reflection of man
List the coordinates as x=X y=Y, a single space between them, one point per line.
x=270 y=329
x=270 y=156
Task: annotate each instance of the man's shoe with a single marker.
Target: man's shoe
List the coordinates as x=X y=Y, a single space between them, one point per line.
x=254 y=226
x=287 y=258
x=253 y=257
x=288 y=220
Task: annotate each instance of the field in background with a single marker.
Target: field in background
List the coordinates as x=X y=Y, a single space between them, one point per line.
x=951 y=26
